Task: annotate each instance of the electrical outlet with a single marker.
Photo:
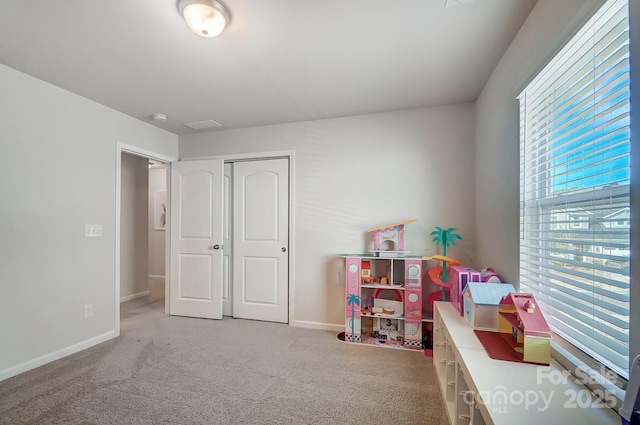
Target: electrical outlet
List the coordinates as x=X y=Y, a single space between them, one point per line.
x=92 y=230
x=88 y=310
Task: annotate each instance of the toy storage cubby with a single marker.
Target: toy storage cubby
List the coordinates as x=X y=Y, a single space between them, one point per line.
x=384 y=302
x=459 y=399
x=466 y=407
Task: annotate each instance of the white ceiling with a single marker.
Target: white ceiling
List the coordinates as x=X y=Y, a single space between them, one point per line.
x=279 y=60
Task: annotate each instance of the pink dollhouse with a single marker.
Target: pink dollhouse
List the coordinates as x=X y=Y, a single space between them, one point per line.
x=399 y=323
x=392 y=282
x=388 y=241
x=520 y=315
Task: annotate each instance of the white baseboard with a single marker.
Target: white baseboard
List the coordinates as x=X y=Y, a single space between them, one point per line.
x=155 y=277
x=134 y=296
x=56 y=355
x=316 y=325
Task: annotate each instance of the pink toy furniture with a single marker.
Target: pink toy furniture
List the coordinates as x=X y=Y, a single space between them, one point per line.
x=353 y=311
x=460 y=276
x=413 y=303
x=435 y=274
x=400 y=323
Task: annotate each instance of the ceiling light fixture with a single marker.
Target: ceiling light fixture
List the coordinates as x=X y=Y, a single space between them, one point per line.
x=207 y=18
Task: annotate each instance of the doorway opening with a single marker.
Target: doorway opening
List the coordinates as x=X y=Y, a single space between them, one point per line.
x=141 y=233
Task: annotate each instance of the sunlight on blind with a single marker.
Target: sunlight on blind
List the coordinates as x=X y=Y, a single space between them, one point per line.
x=574 y=189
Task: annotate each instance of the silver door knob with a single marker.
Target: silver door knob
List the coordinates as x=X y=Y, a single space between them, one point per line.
x=284 y=249
x=215 y=246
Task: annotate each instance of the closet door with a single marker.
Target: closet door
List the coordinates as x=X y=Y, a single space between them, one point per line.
x=261 y=245
x=196 y=239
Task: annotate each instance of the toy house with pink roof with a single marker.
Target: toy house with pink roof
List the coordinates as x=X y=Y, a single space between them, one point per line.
x=520 y=315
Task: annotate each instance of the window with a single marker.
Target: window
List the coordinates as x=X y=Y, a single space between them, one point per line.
x=574 y=189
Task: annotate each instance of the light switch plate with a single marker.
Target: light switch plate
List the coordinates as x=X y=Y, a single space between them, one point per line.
x=92 y=230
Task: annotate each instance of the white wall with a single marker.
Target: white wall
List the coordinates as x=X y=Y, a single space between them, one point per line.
x=355 y=173
x=549 y=25
x=58 y=168
x=547 y=28
x=134 y=206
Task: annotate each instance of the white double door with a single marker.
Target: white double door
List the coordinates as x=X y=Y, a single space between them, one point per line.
x=229 y=239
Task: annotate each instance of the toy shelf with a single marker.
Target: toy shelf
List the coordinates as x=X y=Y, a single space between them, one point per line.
x=395 y=285
x=374 y=257
x=426 y=317
x=369 y=340
x=379 y=286
x=384 y=316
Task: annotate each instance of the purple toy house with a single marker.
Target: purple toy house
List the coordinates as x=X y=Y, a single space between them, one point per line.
x=460 y=276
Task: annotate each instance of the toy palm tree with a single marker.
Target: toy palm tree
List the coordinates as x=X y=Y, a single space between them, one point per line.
x=352 y=300
x=445 y=238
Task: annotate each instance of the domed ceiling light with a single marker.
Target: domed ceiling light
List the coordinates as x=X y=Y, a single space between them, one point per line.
x=207 y=18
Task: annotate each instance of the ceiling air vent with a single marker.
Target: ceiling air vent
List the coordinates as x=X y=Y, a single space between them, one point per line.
x=454 y=3
x=201 y=125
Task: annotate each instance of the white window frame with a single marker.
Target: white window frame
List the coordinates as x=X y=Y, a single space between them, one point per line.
x=565 y=349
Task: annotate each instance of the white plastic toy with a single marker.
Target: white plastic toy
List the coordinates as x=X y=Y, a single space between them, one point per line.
x=631 y=405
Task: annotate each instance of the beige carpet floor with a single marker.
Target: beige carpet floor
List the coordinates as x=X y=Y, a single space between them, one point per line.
x=177 y=370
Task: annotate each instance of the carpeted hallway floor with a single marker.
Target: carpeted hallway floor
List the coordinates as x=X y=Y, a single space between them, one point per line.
x=176 y=370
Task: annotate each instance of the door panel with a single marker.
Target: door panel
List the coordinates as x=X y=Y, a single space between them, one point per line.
x=196 y=239
x=260 y=234
x=195 y=275
x=260 y=280
x=261 y=206
x=196 y=205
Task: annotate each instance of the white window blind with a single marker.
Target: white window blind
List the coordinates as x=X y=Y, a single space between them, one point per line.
x=574 y=189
